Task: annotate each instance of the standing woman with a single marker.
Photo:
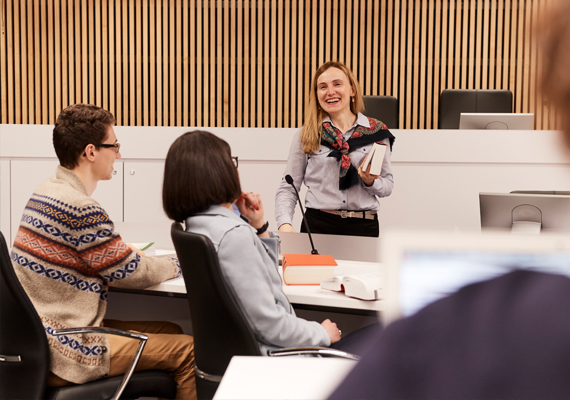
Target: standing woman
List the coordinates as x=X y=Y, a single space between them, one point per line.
x=327 y=156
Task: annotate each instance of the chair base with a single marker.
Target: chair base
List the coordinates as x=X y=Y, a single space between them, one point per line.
x=151 y=383
x=206 y=389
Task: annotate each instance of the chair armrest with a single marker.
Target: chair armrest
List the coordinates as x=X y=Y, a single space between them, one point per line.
x=111 y=331
x=312 y=351
x=103 y=330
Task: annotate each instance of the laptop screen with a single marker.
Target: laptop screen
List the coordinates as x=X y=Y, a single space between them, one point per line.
x=424 y=266
x=426 y=276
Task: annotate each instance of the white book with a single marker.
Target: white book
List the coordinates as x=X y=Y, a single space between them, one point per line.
x=145 y=247
x=375 y=158
x=362 y=286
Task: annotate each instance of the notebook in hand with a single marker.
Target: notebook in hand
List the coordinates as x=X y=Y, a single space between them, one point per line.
x=375 y=159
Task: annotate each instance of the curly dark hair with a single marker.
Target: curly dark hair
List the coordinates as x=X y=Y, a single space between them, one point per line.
x=76 y=127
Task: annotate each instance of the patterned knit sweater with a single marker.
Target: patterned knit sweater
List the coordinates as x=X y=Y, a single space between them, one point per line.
x=66 y=253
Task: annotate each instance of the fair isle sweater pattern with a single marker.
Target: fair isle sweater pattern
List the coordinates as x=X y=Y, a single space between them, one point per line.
x=65 y=254
x=108 y=250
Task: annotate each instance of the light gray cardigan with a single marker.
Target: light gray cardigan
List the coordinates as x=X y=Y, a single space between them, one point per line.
x=250 y=266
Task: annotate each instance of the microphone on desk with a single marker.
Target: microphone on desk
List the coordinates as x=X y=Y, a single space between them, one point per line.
x=289 y=180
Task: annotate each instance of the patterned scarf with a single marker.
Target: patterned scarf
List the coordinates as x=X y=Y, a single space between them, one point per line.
x=332 y=138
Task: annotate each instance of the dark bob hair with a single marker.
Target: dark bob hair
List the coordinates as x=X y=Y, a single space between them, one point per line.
x=198 y=173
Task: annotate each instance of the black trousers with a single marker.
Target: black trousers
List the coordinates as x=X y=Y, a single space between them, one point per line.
x=359 y=341
x=323 y=222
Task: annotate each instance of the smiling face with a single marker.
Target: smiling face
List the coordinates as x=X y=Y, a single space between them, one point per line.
x=334 y=91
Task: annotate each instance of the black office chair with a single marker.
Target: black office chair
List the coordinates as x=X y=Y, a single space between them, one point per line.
x=25 y=360
x=383 y=108
x=452 y=102
x=219 y=326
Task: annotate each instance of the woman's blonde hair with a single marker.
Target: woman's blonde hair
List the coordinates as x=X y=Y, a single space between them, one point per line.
x=314 y=116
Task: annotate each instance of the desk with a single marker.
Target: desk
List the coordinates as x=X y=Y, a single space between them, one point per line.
x=301 y=296
x=282 y=377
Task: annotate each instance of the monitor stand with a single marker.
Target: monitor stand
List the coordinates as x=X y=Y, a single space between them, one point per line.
x=526 y=227
x=527 y=219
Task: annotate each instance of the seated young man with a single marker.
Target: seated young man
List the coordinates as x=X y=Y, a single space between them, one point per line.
x=66 y=253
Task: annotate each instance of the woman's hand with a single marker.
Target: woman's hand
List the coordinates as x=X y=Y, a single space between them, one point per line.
x=366 y=176
x=286 y=228
x=251 y=207
x=332 y=330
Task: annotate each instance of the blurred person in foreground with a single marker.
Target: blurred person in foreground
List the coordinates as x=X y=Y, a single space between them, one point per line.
x=504 y=338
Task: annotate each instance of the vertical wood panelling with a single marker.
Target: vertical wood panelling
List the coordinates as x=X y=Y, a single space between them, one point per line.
x=200 y=68
x=256 y=64
x=439 y=58
x=3 y=66
x=249 y=63
x=492 y=44
x=96 y=56
x=24 y=61
x=110 y=84
x=238 y=65
x=119 y=97
x=125 y=65
x=190 y=65
x=17 y=84
x=31 y=82
x=172 y=64
x=178 y=67
x=142 y=73
x=533 y=61
x=298 y=81
x=103 y=83
x=44 y=65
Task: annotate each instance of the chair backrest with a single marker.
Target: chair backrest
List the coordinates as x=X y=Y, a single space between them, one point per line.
x=452 y=102
x=383 y=108
x=219 y=326
x=21 y=334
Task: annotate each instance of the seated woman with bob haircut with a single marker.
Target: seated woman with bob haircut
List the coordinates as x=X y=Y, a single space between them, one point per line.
x=201 y=183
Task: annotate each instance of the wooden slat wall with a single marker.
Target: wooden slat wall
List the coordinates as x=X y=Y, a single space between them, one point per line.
x=248 y=63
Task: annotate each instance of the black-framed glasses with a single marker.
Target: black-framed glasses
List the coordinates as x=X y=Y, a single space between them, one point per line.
x=117 y=146
x=235 y=160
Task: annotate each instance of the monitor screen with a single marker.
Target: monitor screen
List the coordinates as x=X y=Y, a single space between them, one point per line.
x=428 y=275
x=496 y=121
x=525 y=213
x=421 y=266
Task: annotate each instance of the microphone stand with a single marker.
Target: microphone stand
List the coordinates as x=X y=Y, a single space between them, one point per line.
x=289 y=180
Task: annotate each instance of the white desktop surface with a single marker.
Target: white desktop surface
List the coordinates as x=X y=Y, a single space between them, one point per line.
x=282 y=377
x=303 y=294
x=314 y=295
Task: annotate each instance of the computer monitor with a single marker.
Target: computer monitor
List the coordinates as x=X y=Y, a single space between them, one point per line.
x=497 y=121
x=422 y=266
x=525 y=212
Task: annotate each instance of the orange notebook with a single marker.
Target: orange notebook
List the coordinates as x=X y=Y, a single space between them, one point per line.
x=307 y=269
